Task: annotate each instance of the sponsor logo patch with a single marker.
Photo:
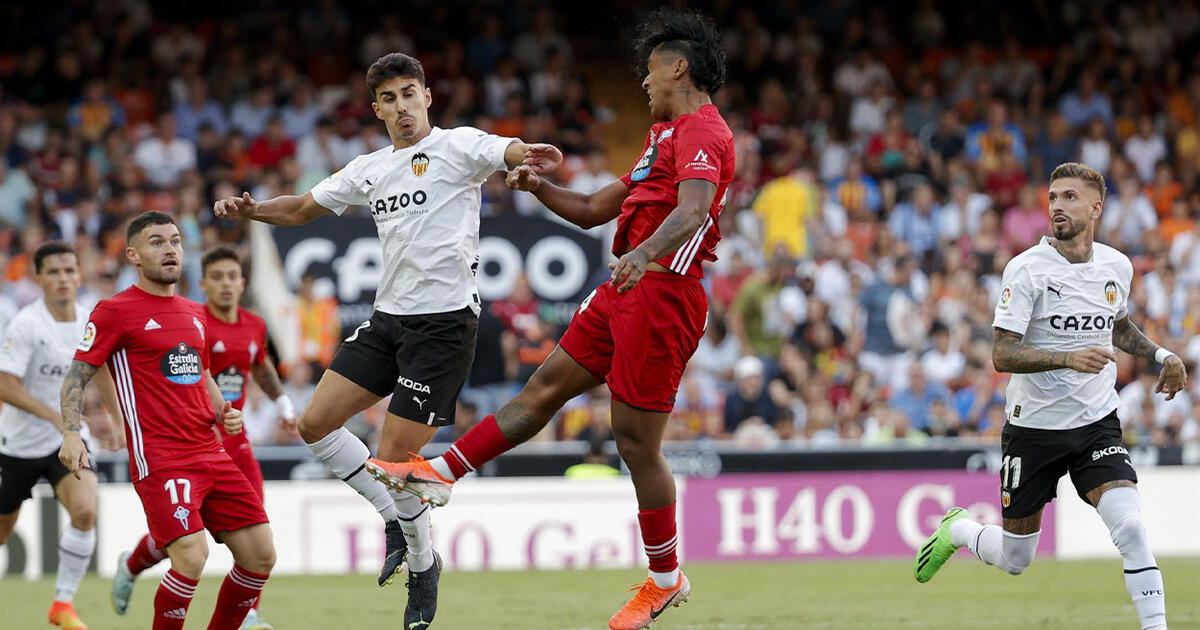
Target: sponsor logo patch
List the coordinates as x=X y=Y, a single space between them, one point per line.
x=181 y=365
x=1112 y=450
x=231 y=383
x=413 y=385
x=642 y=169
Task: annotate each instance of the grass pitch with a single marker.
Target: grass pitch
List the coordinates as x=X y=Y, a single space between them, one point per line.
x=770 y=596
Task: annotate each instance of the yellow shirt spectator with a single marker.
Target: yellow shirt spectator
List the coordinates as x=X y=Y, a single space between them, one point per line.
x=784 y=206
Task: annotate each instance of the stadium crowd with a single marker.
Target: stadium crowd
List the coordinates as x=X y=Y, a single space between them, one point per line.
x=892 y=157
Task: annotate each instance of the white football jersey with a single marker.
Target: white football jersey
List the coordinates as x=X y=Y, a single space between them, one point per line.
x=1063 y=306
x=38 y=350
x=425 y=200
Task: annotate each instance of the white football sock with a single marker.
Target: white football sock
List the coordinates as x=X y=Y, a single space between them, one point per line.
x=1008 y=552
x=346 y=456
x=414 y=520
x=665 y=580
x=75 y=548
x=1122 y=513
x=439 y=464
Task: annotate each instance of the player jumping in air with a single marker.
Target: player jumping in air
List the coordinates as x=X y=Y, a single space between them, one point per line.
x=237 y=346
x=35 y=351
x=638 y=331
x=1062 y=309
x=424 y=194
x=155 y=345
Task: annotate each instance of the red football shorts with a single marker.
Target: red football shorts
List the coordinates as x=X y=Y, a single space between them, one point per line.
x=212 y=495
x=242 y=454
x=640 y=341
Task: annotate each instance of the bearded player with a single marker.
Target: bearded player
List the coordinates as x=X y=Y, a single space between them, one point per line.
x=237 y=346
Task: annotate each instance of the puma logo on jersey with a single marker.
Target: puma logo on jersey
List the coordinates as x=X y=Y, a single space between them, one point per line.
x=1055 y=291
x=151 y=325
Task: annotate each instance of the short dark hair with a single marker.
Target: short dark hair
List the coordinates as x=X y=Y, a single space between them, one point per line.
x=220 y=252
x=391 y=66
x=691 y=35
x=50 y=248
x=1088 y=174
x=145 y=220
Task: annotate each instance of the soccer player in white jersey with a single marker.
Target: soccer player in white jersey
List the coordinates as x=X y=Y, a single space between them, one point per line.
x=35 y=351
x=1062 y=309
x=424 y=194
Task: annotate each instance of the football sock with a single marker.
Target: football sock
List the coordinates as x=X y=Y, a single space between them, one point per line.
x=660 y=541
x=346 y=456
x=239 y=593
x=75 y=548
x=414 y=521
x=145 y=555
x=172 y=600
x=991 y=544
x=1120 y=508
x=479 y=445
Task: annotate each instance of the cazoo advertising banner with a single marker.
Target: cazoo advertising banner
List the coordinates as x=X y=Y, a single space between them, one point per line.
x=345 y=253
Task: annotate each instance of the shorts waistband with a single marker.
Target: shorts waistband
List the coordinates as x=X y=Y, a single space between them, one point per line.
x=669 y=276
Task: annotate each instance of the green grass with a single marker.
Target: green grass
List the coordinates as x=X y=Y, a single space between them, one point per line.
x=775 y=596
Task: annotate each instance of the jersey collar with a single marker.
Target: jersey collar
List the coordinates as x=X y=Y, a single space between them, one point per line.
x=1059 y=257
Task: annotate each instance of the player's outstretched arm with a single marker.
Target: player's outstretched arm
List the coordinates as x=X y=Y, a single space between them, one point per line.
x=1011 y=354
x=1128 y=337
x=584 y=210
x=282 y=210
x=15 y=394
x=542 y=158
x=73 y=453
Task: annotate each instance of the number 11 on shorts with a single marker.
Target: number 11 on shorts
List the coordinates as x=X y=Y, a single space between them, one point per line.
x=173 y=486
x=1010 y=472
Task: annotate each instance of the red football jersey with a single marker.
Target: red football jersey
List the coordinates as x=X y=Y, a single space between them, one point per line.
x=233 y=349
x=155 y=348
x=693 y=146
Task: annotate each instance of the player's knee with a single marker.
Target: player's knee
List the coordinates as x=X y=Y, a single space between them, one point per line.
x=1018 y=553
x=189 y=558
x=83 y=518
x=310 y=429
x=1129 y=535
x=633 y=450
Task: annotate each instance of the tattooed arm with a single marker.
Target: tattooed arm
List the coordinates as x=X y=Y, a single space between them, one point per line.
x=1011 y=354
x=73 y=453
x=1128 y=337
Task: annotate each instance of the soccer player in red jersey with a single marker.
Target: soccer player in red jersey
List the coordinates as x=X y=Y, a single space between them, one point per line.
x=638 y=331
x=154 y=344
x=237 y=346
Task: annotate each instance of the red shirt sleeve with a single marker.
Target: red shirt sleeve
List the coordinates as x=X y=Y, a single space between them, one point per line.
x=699 y=152
x=102 y=336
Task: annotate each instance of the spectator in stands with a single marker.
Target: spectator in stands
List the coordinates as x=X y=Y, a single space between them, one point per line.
x=1025 y=222
x=1127 y=217
x=250 y=115
x=1086 y=103
x=1146 y=149
x=270 y=149
x=786 y=206
x=200 y=110
x=882 y=356
x=165 y=156
x=916 y=221
x=989 y=141
x=16 y=193
x=749 y=398
x=767 y=308
x=943 y=363
x=96 y=113
x=320 y=328
x=916 y=401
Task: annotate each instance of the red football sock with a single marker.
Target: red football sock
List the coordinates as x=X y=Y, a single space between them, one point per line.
x=172 y=600
x=478 y=446
x=659 y=539
x=145 y=555
x=239 y=593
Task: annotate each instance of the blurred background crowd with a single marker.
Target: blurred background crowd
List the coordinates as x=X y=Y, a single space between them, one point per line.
x=892 y=157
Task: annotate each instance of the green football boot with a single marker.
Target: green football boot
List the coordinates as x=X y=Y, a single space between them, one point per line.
x=937 y=548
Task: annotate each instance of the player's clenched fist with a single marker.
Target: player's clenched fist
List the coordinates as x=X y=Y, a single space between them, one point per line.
x=1173 y=377
x=73 y=453
x=1090 y=360
x=523 y=178
x=232 y=418
x=242 y=207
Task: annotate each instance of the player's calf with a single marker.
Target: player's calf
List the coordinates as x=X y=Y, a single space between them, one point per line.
x=1120 y=508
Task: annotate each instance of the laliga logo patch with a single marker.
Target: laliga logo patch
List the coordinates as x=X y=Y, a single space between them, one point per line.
x=182 y=365
x=89 y=337
x=1110 y=292
x=420 y=164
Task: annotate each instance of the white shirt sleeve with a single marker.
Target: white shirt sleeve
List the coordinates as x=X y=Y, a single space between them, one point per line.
x=1017 y=296
x=343 y=189
x=1127 y=272
x=16 y=348
x=482 y=152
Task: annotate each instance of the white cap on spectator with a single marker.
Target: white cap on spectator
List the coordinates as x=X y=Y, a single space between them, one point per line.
x=747 y=366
